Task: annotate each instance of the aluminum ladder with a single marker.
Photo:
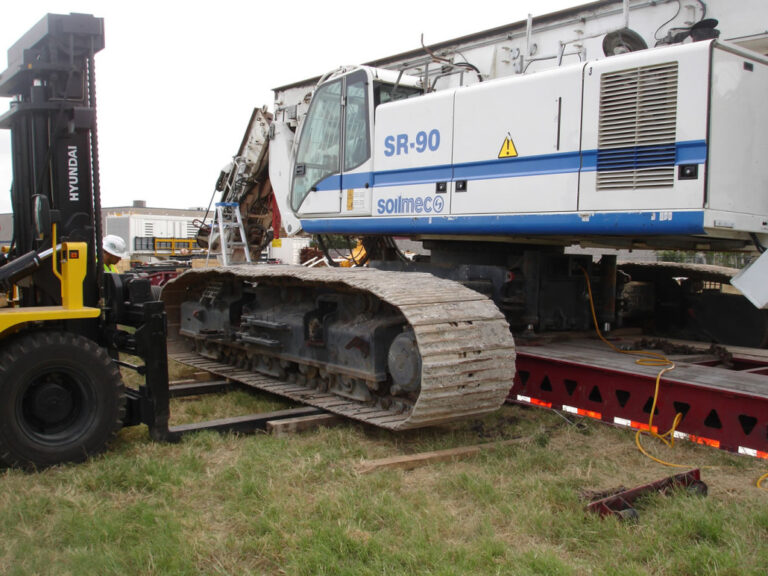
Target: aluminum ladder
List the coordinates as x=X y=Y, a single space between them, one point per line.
x=226 y=217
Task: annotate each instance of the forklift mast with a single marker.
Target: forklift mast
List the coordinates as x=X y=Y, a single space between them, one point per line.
x=52 y=119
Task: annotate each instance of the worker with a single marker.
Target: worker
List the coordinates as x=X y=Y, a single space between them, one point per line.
x=113 y=250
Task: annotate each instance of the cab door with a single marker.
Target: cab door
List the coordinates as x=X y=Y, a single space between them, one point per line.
x=316 y=185
x=356 y=175
x=332 y=173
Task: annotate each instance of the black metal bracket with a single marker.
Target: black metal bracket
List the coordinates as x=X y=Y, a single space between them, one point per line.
x=127 y=304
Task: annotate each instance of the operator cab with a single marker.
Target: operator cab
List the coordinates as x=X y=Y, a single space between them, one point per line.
x=335 y=144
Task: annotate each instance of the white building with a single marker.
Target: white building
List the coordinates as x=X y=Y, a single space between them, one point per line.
x=153 y=234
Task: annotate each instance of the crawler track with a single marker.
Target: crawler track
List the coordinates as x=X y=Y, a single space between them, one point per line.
x=467 y=352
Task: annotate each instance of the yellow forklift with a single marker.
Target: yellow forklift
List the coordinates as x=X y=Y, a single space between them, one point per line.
x=64 y=321
x=61 y=394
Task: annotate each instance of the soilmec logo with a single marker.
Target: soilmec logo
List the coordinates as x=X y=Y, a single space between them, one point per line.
x=400 y=205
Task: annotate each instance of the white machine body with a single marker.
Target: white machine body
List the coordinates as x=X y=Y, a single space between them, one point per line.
x=657 y=143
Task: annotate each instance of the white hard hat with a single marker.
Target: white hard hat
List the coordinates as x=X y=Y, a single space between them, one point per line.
x=114 y=245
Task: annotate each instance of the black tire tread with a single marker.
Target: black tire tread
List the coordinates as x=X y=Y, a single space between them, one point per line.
x=34 y=344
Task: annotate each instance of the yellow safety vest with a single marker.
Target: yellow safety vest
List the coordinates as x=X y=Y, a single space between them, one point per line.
x=110 y=268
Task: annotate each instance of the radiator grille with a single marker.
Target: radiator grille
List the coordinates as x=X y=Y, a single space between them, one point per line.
x=636 y=134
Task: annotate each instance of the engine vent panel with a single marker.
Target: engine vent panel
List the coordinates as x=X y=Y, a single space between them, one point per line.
x=637 y=128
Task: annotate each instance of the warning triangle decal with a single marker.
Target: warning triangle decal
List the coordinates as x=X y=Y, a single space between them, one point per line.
x=508 y=149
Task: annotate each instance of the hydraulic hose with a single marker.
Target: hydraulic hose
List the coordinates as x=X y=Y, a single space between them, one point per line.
x=22 y=266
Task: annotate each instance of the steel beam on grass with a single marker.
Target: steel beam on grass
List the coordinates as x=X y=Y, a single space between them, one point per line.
x=729 y=419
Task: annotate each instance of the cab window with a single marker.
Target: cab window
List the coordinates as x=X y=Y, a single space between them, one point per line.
x=383 y=93
x=356 y=131
x=319 y=148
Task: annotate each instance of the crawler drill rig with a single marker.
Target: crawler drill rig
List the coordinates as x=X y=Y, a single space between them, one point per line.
x=613 y=143
x=632 y=148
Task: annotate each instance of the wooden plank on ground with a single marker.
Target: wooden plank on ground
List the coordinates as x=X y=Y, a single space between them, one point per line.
x=182 y=388
x=411 y=461
x=289 y=426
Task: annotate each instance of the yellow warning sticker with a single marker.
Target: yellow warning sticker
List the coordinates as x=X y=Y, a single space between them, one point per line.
x=508 y=149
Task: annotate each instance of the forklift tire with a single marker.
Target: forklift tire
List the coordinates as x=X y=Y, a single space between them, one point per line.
x=61 y=399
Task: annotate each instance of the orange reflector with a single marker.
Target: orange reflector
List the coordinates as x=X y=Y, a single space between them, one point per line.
x=705 y=441
x=632 y=424
x=698 y=439
x=534 y=401
x=644 y=427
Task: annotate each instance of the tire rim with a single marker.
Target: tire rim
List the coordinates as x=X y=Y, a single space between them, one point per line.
x=53 y=406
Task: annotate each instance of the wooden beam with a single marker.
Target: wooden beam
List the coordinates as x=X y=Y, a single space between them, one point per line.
x=301 y=423
x=243 y=424
x=181 y=388
x=411 y=461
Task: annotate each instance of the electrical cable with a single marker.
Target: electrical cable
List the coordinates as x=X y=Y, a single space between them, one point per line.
x=648 y=359
x=756 y=241
x=656 y=34
x=324 y=249
x=437 y=58
x=652 y=359
x=390 y=243
x=208 y=210
x=703 y=10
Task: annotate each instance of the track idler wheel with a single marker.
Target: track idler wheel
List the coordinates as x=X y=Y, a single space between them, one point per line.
x=404 y=363
x=61 y=399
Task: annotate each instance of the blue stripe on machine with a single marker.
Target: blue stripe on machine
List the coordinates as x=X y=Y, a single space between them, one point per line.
x=693 y=152
x=329 y=183
x=358 y=180
x=519 y=166
x=601 y=223
x=635 y=157
x=421 y=175
x=604 y=160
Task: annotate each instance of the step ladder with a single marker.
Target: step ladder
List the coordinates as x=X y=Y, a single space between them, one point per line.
x=226 y=218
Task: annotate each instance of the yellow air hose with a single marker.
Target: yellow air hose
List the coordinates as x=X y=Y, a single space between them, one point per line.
x=647 y=359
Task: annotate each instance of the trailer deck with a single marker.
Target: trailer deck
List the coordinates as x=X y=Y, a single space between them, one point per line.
x=721 y=393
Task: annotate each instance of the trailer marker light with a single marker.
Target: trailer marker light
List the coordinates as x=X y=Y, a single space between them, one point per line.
x=582 y=412
x=697 y=439
x=753 y=452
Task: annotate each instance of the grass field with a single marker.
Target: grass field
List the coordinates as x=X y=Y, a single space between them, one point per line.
x=264 y=505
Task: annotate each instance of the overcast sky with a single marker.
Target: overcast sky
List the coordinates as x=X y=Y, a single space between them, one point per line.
x=177 y=81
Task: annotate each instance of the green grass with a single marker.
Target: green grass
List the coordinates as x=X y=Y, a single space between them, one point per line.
x=222 y=504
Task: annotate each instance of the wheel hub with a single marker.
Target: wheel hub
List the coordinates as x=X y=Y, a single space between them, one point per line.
x=52 y=405
x=51 y=402
x=404 y=362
